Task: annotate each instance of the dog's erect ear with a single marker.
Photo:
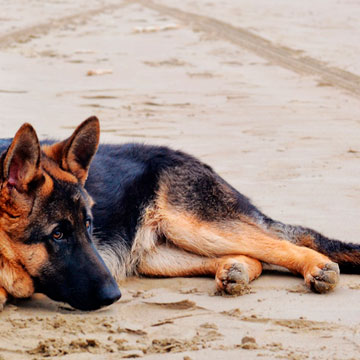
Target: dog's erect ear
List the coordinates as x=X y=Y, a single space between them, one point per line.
x=75 y=153
x=21 y=165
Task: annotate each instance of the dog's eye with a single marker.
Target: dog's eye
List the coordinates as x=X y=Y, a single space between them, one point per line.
x=57 y=235
x=88 y=224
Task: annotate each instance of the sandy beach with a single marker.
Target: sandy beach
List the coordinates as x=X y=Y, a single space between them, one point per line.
x=267 y=93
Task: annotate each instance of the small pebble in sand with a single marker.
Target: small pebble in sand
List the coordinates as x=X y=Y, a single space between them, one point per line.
x=248 y=343
x=95 y=72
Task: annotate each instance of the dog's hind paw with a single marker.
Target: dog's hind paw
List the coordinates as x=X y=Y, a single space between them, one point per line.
x=232 y=279
x=322 y=280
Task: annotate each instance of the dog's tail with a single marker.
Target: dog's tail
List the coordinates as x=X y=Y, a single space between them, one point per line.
x=347 y=255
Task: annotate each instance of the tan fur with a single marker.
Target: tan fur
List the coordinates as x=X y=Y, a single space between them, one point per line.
x=307 y=241
x=14 y=278
x=54 y=151
x=17 y=261
x=10 y=208
x=47 y=187
x=33 y=257
x=53 y=169
x=171 y=261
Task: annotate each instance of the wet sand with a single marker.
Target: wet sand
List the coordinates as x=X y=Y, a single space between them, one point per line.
x=268 y=96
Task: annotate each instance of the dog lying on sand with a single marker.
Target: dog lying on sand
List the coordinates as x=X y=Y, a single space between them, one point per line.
x=75 y=217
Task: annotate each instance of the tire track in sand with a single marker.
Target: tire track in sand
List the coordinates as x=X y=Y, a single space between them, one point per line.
x=30 y=32
x=282 y=56
x=285 y=57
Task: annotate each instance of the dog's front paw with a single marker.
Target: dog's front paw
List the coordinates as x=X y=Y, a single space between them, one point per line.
x=232 y=279
x=322 y=279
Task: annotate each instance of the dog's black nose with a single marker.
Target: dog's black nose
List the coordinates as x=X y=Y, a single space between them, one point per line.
x=109 y=294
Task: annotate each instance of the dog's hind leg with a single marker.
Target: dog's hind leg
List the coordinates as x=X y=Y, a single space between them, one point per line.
x=243 y=237
x=232 y=273
x=199 y=212
x=346 y=255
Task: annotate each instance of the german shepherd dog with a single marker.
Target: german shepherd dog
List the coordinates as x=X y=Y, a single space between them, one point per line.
x=69 y=229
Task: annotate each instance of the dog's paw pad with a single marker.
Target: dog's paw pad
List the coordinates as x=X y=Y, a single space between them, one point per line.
x=322 y=280
x=233 y=280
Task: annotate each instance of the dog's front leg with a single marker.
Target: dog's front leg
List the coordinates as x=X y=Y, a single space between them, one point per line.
x=232 y=273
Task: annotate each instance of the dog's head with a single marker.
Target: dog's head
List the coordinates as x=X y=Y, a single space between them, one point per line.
x=45 y=217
